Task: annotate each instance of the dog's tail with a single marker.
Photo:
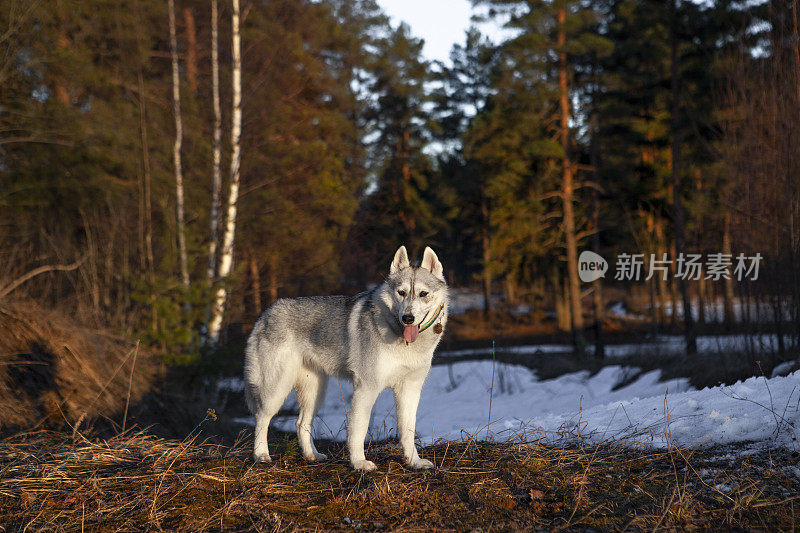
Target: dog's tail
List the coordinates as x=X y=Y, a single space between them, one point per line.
x=252 y=367
x=252 y=397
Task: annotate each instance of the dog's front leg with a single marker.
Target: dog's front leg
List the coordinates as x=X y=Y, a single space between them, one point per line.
x=406 y=398
x=364 y=397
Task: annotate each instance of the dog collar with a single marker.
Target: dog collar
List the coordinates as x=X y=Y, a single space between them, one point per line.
x=430 y=322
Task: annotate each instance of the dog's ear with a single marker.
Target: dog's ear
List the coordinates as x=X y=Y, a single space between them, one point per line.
x=431 y=263
x=400 y=260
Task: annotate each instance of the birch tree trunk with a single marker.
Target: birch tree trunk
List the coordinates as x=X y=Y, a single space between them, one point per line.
x=226 y=253
x=176 y=150
x=217 y=175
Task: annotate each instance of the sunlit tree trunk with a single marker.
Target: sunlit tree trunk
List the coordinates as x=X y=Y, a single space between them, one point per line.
x=567 y=192
x=176 y=149
x=191 y=49
x=226 y=253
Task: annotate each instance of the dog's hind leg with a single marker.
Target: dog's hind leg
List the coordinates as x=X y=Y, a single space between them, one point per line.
x=310 y=388
x=261 y=448
x=272 y=391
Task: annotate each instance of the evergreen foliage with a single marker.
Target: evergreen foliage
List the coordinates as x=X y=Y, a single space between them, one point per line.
x=354 y=143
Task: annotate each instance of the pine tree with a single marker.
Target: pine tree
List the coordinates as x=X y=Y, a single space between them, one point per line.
x=399 y=123
x=466 y=88
x=551 y=35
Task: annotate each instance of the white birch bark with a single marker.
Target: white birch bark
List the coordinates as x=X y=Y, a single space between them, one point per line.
x=226 y=253
x=176 y=150
x=217 y=175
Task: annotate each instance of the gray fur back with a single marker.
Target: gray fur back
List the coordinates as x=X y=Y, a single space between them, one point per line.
x=316 y=324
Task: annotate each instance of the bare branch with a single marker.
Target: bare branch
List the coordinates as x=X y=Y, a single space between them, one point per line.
x=35 y=272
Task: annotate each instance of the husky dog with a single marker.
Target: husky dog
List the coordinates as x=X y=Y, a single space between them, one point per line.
x=383 y=337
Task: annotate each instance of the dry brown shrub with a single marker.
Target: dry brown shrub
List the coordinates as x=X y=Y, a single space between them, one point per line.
x=54 y=371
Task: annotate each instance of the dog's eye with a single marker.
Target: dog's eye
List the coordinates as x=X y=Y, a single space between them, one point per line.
x=402 y=293
x=423 y=294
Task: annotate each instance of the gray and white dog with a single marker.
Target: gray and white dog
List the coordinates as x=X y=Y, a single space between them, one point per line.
x=383 y=337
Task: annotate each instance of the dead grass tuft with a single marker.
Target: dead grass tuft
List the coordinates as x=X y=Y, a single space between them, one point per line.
x=52 y=480
x=55 y=372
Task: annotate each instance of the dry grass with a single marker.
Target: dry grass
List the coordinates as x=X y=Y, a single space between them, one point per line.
x=53 y=371
x=55 y=481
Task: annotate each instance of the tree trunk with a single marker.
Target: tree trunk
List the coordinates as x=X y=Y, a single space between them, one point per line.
x=485 y=247
x=146 y=177
x=217 y=157
x=796 y=50
x=511 y=290
x=663 y=297
x=273 y=278
x=404 y=185
x=565 y=321
x=651 y=287
x=560 y=301
x=795 y=239
x=688 y=320
x=255 y=277
x=701 y=299
x=226 y=255
x=191 y=49
x=148 y=204
x=598 y=305
x=62 y=93
x=176 y=149
x=661 y=282
x=727 y=294
x=567 y=193
x=673 y=287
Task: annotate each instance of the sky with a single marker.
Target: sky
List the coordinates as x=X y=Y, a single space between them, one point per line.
x=440 y=22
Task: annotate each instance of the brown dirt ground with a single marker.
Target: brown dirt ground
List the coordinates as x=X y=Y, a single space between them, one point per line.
x=55 y=481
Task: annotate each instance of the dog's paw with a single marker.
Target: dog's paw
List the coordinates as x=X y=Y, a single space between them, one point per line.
x=420 y=464
x=262 y=458
x=364 y=465
x=316 y=456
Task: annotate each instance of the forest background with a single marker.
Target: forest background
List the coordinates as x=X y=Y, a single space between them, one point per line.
x=168 y=169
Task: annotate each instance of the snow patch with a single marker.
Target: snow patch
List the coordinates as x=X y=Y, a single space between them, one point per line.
x=604 y=407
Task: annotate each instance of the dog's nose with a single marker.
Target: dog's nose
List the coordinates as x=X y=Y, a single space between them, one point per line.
x=408 y=319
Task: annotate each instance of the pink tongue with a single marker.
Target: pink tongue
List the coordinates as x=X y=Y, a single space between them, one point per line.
x=410 y=333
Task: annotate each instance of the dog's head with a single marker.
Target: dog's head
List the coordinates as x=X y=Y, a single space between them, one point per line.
x=416 y=292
